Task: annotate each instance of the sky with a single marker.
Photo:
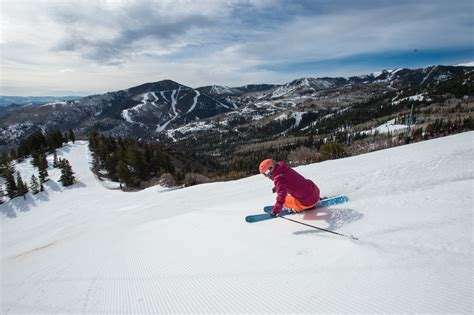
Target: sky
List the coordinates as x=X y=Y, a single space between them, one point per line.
x=86 y=47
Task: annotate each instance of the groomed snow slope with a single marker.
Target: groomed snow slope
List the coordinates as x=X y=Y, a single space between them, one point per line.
x=87 y=249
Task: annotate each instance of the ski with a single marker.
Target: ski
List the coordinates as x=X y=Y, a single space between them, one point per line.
x=321 y=204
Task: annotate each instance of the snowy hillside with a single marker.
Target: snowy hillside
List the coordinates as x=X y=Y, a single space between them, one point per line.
x=88 y=249
x=303 y=83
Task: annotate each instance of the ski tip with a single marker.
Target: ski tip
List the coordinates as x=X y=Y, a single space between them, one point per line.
x=268 y=208
x=253 y=218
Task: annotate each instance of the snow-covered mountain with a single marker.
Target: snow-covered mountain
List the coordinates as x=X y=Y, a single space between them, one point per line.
x=219 y=90
x=88 y=249
x=305 y=86
x=467 y=64
x=167 y=102
x=141 y=111
x=18 y=101
x=236 y=91
x=172 y=111
x=300 y=106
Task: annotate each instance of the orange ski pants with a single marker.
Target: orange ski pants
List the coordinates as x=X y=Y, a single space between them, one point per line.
x=292 y=203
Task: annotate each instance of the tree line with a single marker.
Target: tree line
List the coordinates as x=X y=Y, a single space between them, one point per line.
x=39 y=142
x=134 y=163
x=17 y=187
x=36 y=146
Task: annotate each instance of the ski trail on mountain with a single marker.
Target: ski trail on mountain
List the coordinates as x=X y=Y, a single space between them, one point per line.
x=194 y=102
x=145 y=100
x=174 y=100
x=173 y=113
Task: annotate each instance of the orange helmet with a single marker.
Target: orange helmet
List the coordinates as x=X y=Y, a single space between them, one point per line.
x=266 y=167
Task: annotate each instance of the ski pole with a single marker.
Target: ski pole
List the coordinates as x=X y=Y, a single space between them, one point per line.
x=318 y=228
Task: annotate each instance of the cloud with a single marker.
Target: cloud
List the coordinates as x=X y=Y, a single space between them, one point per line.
x=352 y=32
x=112 y=36
x=115 y=44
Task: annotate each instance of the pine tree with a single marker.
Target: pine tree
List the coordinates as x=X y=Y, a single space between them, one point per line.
x=43 y=169
x=67 y=175
x=55 y=159
x=3 y=163
x=12 y=190
x=71 y=135
x=13 y=154
x=123 y=173
x=2 y=194
x=35 y=158
x=20 y=184
x=34 y=185
x=136 y=161
x=54 y=139
x=36 y=142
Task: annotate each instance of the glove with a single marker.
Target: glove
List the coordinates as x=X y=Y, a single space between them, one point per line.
x=274 y=214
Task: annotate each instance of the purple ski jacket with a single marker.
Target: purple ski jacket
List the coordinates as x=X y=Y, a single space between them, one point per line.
x=288 y=181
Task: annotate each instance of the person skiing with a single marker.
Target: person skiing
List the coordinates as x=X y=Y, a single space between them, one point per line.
x=293 y=190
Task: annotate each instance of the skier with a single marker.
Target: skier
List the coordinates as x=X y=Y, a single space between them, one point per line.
x=293 y=190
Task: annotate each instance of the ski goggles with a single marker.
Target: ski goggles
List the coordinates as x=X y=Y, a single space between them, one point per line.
x=268 y=173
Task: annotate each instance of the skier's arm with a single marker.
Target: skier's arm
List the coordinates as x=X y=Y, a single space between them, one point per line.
x=280 y=185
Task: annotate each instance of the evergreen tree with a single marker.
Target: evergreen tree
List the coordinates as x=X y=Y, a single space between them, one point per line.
x=92 y=138
x=179 y=176
x=43 y=169
x=36 y=142
x=12 y=190
x=20 y=184
x=333 y=151
x=136 y=161
x=72 y=136
x=67 y=175
x=13 y=154
x=34 y=185
x=123 y=173
x=54 y=139
x=60 y=163
x=35 y=161
x=55 y=160
x=2 y=194
x=3 y=163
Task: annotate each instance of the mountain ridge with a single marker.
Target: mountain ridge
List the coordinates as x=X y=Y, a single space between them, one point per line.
x=161 y=109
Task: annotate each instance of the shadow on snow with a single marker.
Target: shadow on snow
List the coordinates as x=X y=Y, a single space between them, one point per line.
x=335 y=217
x=27 y=202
